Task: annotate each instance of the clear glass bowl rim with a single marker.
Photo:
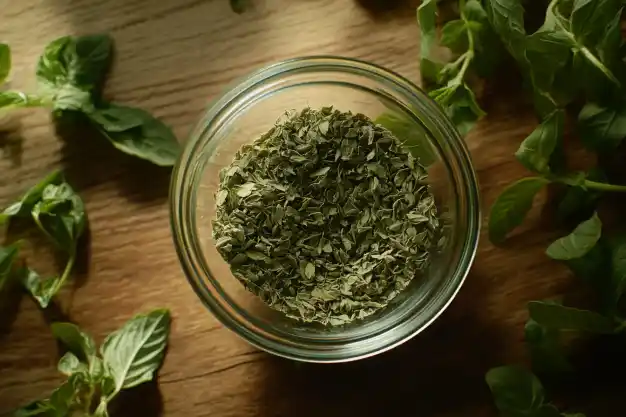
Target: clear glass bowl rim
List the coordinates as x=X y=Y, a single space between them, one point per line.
x=181 y=219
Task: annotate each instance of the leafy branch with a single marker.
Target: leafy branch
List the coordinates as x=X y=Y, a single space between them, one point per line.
x=70 y=75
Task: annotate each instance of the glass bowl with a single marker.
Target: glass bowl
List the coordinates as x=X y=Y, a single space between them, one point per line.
x=250 y=109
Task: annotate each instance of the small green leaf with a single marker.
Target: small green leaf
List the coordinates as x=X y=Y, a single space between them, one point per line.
x=151 y=140
x=309 y=270
x=511 y=207
x=69 y=364
x=134 y=353
x=427 y=21
x=79 y=343
x=454 y=36
x=515 y=390
x=577 y=243
x=5 y=62
x=8 y=255
x=602 y=128
x=556 y=316
x=60 y=214
x=460 y=105
x=24 y=207
x=15 y=99
x=536 y=150
x=71 y=70
x=507 y=19
x=42 y=290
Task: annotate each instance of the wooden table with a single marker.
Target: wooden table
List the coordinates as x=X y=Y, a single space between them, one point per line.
x=173 y=56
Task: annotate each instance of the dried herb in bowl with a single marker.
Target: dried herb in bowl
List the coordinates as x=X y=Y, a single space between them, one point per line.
x=326 y=217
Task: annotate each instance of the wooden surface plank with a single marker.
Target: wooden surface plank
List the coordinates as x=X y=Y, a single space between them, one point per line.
x=173 y=56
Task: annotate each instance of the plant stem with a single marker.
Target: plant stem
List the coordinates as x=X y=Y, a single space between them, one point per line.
x=598 y=64
x=602 y=186
x=66 y=272
x=469 y=54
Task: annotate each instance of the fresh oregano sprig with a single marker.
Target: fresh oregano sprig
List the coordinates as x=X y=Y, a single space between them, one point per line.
x=59 y=213
x=476 y=52
x=128 y=357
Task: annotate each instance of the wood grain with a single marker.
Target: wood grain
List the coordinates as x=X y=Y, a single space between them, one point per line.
x=173 y=57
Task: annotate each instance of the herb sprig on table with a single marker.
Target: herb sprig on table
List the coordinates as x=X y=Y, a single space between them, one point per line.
x=59 y=213
x=128 y=357
x=574 y=68
x=70 y=74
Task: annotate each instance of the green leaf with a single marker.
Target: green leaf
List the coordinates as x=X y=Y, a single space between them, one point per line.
x=411 y=135
x=15 y=99
x=114 y=118
x=69 y=364
x=134 y=353
x=454 y=36
x=545 y=348
x=507 y=19
x=24 y=207
x=41 y=290
x=60 y=214
x=511 y=207
x=72 y=69
x=556 y=316
x=602 y=128
x=536 y=150
x=427 y=20
x=69 y=394
x=459 y=104
x=5 y=62
x=590 y=19
x=547 y=51
x=151 y=139
x=515 y=390
x=8 y=254
x=488 y=50
x=79 y=343
x=577 y=243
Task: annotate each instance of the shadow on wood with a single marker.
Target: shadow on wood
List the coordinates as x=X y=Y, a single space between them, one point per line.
x=144 y=400
x=90 y=160
x=437 y=372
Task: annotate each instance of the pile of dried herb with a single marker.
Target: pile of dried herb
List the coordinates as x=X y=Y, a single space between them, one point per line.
x=326 y=217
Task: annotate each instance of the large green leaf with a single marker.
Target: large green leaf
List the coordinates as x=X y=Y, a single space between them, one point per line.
x=577 y=243
x=536 y=150
x=133 y=353
x=511 y=207
x=515 y=390
x=556 y=316
x=602 y=128
x=136 y=132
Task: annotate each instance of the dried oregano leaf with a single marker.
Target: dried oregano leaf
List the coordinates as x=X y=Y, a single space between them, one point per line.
x=326 y=217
